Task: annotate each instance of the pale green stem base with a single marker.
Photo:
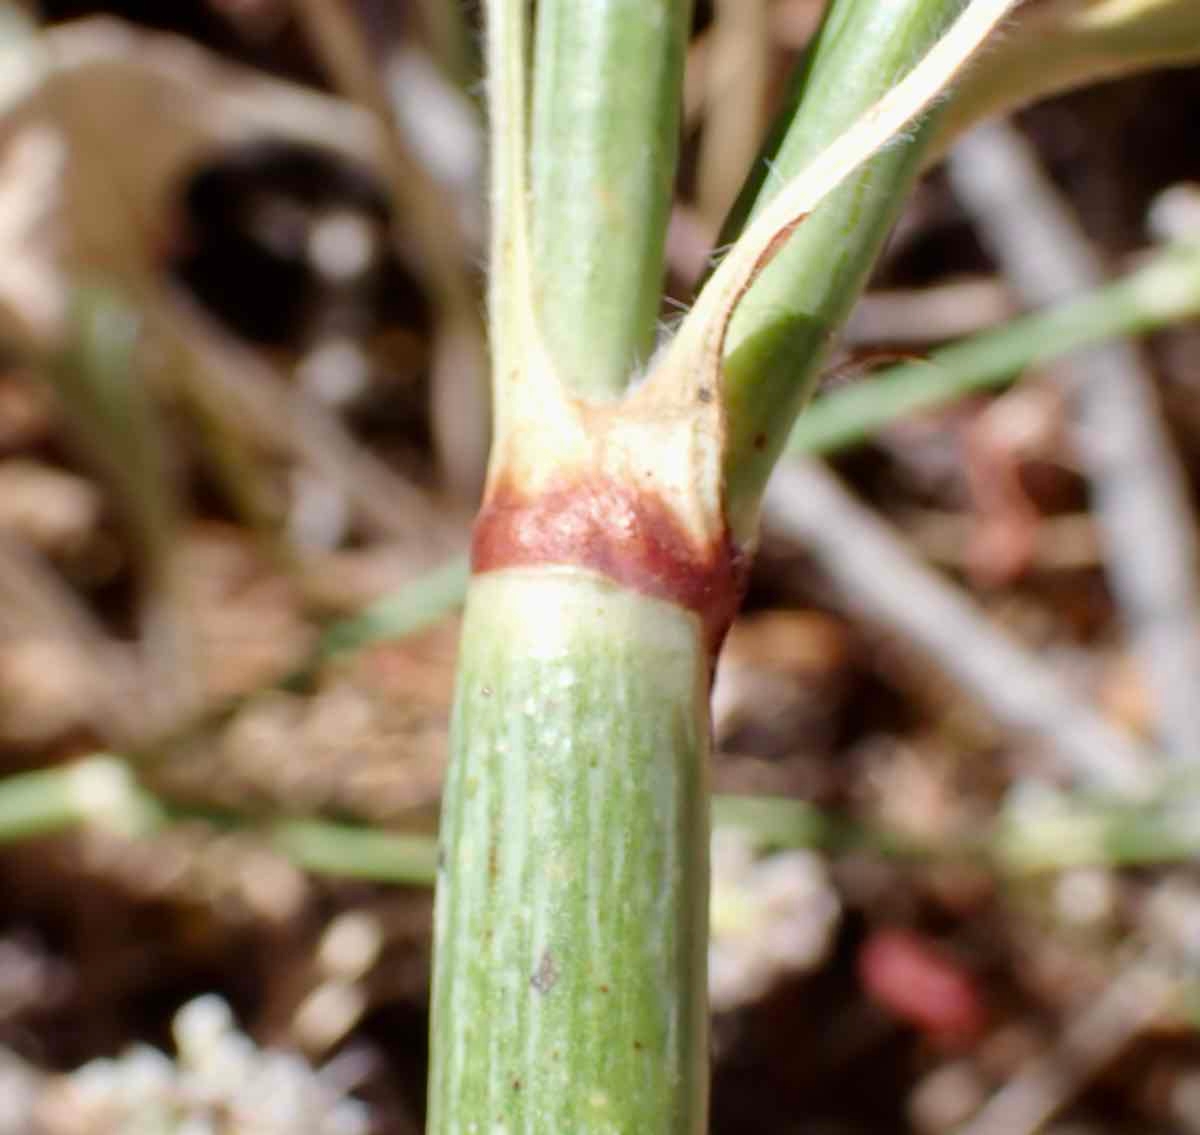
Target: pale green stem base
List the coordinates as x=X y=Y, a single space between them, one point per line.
x=572 y=921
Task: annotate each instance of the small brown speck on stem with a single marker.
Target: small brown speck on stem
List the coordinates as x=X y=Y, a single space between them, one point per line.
x=545 y=977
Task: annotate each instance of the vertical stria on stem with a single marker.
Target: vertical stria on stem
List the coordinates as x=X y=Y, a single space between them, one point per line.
x=571 y=923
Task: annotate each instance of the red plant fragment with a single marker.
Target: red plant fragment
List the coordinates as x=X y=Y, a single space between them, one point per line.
x=916 y=981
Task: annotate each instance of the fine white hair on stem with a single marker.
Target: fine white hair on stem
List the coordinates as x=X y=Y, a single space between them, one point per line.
x=773 y=174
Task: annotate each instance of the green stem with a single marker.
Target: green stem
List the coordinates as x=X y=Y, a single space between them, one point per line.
x=38 y=803
x=1044 y=829
x=778 y=335
x=99 y=789
x=571 y=926
x=114 y=419
x=417 y=605
x=1039 y=830
x=350 y=851
x=1164 y=291
x=507 y=34
x=607 y=90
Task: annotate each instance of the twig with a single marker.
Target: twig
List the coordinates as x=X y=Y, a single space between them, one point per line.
x=736 y=72
x=432 y=226
x=1163 y=291
x=1137 y=486
x=936 y=313
x=878 y=577
x=237 y=384
x=29 y=589
x=1098 y=1034
x=101 y=388
x=102 y=790
x=350 y=851
x=418 y=605
x=1039 y=830
x=605 y=83
x=98 y=789
x=1043 y=829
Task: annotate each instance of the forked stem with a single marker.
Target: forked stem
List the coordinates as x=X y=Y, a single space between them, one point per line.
x=571 y=928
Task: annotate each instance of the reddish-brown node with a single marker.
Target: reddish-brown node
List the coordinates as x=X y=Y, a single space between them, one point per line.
x=625 y=534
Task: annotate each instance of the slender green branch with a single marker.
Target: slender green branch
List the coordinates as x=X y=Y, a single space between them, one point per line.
x=99 y=789
x=1164 y=291
x=778 y=336
x=419 y=604
x=113 y=417
x=111 y=414
x=43 y=802
x=350 y=851
x=1044 y=829
x=775 y=822
x=607 y=90
x=697 y=362
x=1038 y=830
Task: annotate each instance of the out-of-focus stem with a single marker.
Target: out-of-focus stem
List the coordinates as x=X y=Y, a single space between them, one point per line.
x=435 y=232
x=737 y=71
x=1163 y=291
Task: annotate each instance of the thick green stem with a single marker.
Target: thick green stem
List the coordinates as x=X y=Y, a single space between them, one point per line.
x=778 y=335
x=571 y=927
x=607 y=90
